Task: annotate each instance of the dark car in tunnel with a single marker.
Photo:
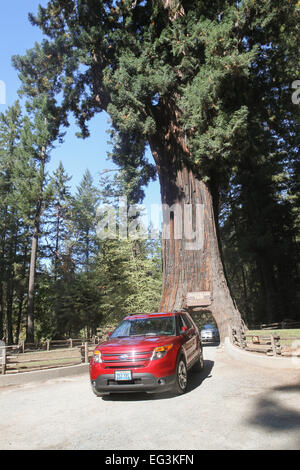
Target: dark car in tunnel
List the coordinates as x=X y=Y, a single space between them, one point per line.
x=210 y=333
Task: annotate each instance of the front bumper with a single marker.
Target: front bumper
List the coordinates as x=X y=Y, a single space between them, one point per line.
x=141 y=382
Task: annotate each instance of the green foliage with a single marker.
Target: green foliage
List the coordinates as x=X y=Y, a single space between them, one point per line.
x=14 y=220
x=93 y=281
x=217 y=64
x=130 y=276
x=207 y=83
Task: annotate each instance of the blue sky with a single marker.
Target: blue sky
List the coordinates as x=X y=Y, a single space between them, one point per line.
x=16 y=36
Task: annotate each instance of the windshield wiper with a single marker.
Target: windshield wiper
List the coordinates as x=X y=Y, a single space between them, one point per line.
x=145 y=334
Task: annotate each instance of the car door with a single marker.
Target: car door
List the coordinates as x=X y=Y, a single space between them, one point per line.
x=188 y=344
x=193 y=338
x=183 y=328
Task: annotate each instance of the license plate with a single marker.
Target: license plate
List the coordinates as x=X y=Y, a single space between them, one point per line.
x=123 y=375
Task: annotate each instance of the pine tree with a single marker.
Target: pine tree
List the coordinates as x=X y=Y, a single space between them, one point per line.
x=37 y=139
x=58 y=215
x=10 y=124
x=85 y=219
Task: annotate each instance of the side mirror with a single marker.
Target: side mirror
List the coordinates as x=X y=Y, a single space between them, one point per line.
x=183 y=330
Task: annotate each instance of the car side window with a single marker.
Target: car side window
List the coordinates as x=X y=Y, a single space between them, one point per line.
x=188 y=322
x=181 y=322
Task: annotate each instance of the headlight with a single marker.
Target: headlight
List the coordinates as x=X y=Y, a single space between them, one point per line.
x=97 y=356
x=161 y=351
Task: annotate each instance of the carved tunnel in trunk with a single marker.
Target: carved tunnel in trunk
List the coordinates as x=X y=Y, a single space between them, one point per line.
x=190 y=251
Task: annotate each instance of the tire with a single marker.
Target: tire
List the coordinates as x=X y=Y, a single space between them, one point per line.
x=199 y=365
x=181 y=377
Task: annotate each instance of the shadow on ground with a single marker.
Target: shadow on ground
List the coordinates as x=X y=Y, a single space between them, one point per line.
x=211 y=343
x=195 y=380
x=273 y=415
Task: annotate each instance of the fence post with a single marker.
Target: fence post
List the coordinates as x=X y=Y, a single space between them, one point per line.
x=48 y=344
x=71 y=343
x=273 y=345
x=23 y=346
x=277 y=345
x=86 y=352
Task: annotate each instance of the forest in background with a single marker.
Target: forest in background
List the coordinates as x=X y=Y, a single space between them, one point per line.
x=83 y=282
x=209 y=89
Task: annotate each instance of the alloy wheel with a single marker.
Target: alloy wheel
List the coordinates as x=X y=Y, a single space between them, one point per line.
x=182 y=375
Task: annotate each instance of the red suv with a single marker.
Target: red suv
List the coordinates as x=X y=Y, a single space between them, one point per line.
x=147 y=352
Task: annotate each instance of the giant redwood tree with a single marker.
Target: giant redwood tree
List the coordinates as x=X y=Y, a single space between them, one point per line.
x=182 y=77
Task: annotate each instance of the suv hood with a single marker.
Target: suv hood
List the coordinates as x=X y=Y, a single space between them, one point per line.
x=138 y=343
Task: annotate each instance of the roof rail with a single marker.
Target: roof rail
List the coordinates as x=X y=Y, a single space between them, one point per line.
x=148 y=313
x=137 y=313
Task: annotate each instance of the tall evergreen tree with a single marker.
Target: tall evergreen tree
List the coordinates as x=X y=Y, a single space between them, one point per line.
x=37 y=139
x=59 y=215
x=195 y=81
x=85 y=219
x=10 y=125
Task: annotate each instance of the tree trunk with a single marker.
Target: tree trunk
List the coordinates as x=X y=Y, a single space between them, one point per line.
x=19 y=317
x=2 y=270
x=1 y=310
x=31 y=285
x=189 y=264
x=11 y=289
x=21 y=293
x=57 y=236
x=34 y=250
x=9 y=308
x=190 y=246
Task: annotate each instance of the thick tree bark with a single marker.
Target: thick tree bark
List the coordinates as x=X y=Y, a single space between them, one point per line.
x=184 y=269
x=190 y=265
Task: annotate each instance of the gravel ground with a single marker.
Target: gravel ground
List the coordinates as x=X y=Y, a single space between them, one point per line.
x=231 y=405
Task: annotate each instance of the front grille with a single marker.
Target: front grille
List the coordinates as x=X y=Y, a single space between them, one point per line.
x=131 y=359
x=136 y=366
x=124 y=382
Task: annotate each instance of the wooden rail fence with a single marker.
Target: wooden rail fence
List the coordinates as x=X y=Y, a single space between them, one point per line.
x=283 y=325
x=58 y=353
x=270 y=344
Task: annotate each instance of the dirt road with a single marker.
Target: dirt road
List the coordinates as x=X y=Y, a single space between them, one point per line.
x=230 y=405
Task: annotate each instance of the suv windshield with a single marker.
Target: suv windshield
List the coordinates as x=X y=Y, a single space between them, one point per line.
x=159 y=326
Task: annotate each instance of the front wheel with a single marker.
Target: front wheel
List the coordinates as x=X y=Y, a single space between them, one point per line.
x=181 y=377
